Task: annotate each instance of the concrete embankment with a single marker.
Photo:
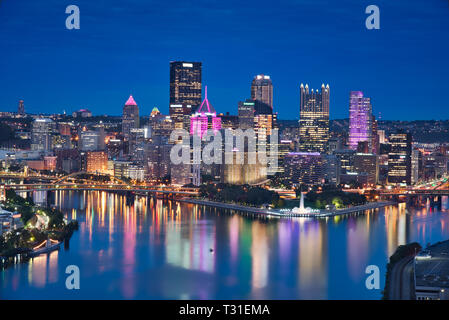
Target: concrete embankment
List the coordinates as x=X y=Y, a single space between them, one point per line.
x=287 y=214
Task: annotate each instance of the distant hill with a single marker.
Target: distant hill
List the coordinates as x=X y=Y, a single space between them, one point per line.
x=426 y=131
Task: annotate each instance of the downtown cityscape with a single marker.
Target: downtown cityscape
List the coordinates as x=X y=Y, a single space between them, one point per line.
x=318 y=198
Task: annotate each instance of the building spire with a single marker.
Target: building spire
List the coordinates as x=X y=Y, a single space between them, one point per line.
x=130 y=101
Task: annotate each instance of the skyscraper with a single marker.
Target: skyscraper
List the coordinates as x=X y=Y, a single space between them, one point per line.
x=21 y=108
x=42 y=134
x=400 y=158
x=205 y=117
x=360 y=120
x=262 y=89
x=314 y=119
x=130 y=118
x=185 y=90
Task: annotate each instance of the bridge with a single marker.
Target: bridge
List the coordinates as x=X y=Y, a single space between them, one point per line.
x=142 y=189
x=416 y=192
x=429 y=197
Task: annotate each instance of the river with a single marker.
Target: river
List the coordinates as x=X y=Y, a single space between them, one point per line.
x=154 y=249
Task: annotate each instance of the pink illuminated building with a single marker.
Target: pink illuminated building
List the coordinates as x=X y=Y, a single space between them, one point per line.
x=205 y=117
x=360 y=120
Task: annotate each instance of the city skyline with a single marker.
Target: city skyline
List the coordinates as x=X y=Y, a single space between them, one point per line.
x=59 y=63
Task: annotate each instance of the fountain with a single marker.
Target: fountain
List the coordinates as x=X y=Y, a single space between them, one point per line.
x=301 y=208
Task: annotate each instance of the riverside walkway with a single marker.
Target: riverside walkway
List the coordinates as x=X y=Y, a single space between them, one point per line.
x=287 y=214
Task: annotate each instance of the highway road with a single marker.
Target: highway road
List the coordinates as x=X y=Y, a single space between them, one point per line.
x=401 y=281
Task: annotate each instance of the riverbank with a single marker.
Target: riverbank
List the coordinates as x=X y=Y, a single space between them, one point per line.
x=287 y=214
x=42 y=230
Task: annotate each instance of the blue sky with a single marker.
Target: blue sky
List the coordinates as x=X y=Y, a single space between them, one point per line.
x=124 y=47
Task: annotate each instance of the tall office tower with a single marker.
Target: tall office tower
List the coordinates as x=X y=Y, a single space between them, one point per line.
x=314 y=119
x=21 y=108
x=360 y=120
x=256 y=115
x=204 y=118
x=130 y=118
x=331 y=169
x=416 y=159
x=185 y=90
x=262 y=90
x=158 y=157
x=375 y=144
x=259 y=116
x=42 y=134
x=368 y=165
x=246 y=111
x=400 y=158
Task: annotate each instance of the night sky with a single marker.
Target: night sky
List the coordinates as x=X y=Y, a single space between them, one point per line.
x=124 y=47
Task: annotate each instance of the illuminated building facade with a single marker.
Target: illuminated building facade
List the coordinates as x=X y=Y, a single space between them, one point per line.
x=67 y=160
x=204 y=118
x=416 y=160
x=42 y=132
x=246 y=111
x=262 y=90
x=50 y=163
x=82 y=113
x=314 y=119
x=304 y=168
x=121 y=169
x=185 y=90
x=245 y=173
x=136 y=172
x=360 y=120
x=375 y=144
x=130 y=118
x=331 y=169
x=158 y=157
x=97 y=162
x=181 y=174
x=367 y=163
x=400 y=158
x=2 y=192
x=284 y=148
x=91 y=140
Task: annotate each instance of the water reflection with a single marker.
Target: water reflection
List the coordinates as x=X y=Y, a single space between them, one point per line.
x=43 y=270
x=313 y=254
x=147 y=248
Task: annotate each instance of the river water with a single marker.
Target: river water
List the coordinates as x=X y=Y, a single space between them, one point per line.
x=151 y=249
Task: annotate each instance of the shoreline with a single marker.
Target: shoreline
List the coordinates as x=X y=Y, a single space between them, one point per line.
x=279 y=214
